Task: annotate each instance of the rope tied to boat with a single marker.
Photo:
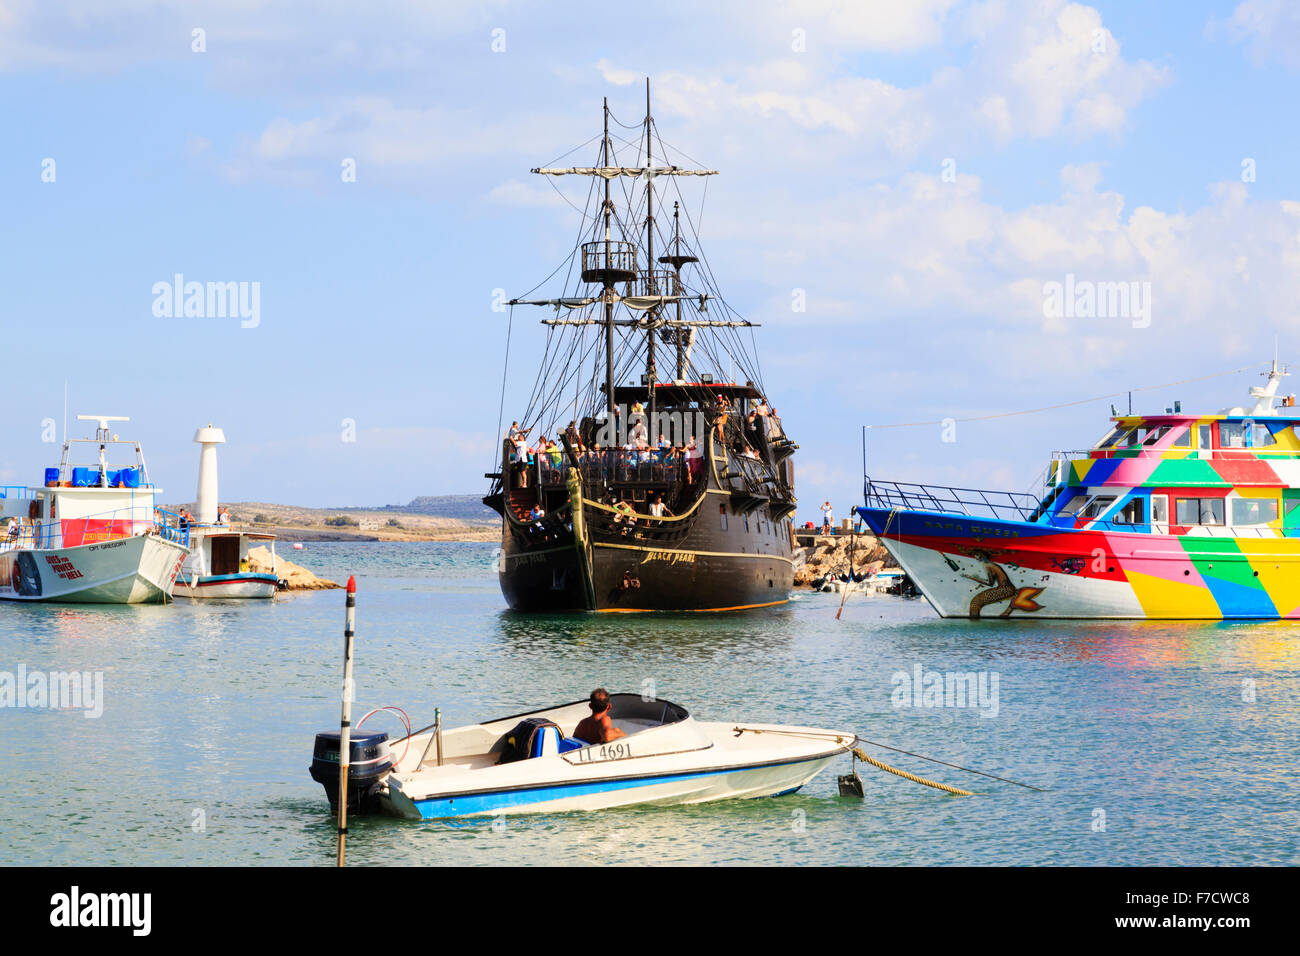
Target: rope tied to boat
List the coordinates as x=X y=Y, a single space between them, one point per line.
x=881 y=765
x=858 y=753
x=885 y=531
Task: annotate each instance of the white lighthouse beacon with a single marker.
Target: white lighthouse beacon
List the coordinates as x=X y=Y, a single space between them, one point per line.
x=205 y=499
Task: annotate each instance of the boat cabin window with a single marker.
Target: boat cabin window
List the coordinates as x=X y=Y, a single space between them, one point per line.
x=1159 y=509
x=1198 y=510
x=1203 y=440
x=1071 y=507
x=1244 y=435
x=1135 y=512
x=1155 y=435
x=1111 y=437
x=1183 y=438
x=1098 y=506
x=1251 y=511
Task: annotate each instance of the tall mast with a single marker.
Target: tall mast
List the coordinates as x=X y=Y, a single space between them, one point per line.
x=609 y=290
x=650 y=264
x=677 y=286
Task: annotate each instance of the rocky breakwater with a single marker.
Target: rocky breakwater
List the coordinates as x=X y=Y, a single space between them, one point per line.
x=830 y=554
x=298 y=577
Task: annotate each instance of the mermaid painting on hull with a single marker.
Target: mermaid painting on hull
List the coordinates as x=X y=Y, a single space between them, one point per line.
x=998 y=588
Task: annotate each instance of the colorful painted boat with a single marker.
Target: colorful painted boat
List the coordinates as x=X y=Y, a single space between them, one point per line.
x=92 y=533
x=667 y=757
x=1169 y=516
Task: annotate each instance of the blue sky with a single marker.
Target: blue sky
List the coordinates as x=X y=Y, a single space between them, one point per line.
x=1105 y=141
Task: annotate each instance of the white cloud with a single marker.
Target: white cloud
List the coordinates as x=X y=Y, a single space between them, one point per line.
x=1270 y=30
x=880 y=25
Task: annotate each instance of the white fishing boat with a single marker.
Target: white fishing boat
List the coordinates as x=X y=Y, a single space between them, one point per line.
x=531 y=763
x=91 y=533
x=219 y=565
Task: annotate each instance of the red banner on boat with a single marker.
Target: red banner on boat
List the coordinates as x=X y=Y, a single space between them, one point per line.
x=79 y=531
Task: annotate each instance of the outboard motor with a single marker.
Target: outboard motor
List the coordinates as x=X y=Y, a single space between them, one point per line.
x=371 y=761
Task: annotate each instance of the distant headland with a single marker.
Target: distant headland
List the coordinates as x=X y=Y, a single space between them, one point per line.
x=426 y=518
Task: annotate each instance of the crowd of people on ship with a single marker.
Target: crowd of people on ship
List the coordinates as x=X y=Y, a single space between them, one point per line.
x=663 y=460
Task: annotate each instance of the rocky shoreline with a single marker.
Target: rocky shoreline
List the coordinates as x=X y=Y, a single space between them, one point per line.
x=830 y=554
x=298 y=577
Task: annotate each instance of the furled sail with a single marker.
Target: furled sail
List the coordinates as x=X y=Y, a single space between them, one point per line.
x=636 y=172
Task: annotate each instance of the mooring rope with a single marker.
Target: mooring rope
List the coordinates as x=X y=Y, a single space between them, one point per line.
x=852 y=541
x=840 y=738
x=880 y=764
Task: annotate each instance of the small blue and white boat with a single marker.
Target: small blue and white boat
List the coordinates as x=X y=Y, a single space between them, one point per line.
x=530 y=763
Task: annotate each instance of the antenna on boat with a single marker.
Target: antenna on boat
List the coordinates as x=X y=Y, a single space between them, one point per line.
x=103 y=433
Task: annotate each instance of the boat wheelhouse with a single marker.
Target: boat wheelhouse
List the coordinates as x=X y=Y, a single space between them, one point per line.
x=1169 y=516
x=672 y=485
x=92 y=533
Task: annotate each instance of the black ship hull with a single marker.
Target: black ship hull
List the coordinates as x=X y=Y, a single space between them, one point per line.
x=728 y=551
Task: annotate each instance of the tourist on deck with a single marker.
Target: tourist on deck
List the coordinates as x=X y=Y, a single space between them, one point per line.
x=13 y=531
x=720 y=419
x=660 y=510
x=625 y=516
x=553 y=450
x=694 y=460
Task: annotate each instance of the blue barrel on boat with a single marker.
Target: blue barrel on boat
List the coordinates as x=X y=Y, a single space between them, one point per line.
x=85 y=477
x=51 y=477
x=371 y=761
x=130 y=477
x=114 y=477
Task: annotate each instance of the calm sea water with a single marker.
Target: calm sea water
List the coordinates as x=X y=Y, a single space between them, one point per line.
x=1144 y=734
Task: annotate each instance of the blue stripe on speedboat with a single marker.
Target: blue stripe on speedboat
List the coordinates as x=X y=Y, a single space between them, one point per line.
x=240 y=576
x=500 y=800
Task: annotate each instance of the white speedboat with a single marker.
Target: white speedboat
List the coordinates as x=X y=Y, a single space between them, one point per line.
x=91 y=533
x=529 y=763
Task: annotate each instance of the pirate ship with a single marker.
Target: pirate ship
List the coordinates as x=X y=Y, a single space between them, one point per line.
x=666 y=482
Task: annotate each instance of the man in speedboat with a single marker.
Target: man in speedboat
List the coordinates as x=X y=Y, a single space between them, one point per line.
x=598 y=728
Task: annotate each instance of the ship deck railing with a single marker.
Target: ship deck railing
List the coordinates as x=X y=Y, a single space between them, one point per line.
x=1024 y=507
x=1202 y=454
x=611 y=468
x=55 y=533
x=970 y=502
